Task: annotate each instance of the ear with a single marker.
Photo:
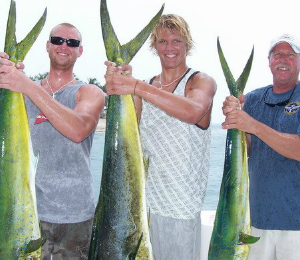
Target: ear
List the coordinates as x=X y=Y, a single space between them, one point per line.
x=80 y=51
x=48 y=46
x=154 y=50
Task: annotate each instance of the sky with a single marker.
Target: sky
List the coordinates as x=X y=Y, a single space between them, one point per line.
x=239 y=24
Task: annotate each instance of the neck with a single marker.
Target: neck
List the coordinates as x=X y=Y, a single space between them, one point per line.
x=56 y=73
x=56 y=84
x=168 y=75
x=58 y=78
x=282 y=87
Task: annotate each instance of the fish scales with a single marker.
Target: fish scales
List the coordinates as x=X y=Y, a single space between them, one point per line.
x=122 y=197
x=17 y=205
x=120 y=229
x=231 y=234
x=20 y=235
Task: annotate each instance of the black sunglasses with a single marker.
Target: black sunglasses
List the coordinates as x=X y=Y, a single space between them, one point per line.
x=59 y=41
x=279 y=104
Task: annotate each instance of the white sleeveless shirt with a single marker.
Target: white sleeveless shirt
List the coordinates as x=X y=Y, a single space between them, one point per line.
x=178 y=155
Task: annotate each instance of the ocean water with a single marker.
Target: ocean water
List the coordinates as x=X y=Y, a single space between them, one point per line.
x=217 y=155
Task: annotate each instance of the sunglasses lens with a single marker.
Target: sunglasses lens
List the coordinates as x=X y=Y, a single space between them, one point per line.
x=73 y=43
x=57 y=40
x=60 y=41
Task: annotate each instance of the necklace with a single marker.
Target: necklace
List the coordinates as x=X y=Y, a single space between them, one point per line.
x=53 y=93
x=166 y=85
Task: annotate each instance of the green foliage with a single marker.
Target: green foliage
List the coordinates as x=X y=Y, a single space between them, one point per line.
x=95 y=82
x=39 y=76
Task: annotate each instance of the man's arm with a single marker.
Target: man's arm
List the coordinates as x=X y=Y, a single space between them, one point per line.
x=75 y=124
x=194 y=108
x=288 y=145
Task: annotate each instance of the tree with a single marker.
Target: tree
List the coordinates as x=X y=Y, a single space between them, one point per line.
x=39 y=76
x=95 y=82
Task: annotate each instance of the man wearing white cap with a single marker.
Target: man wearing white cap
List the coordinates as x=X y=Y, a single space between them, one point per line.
x=271 y=119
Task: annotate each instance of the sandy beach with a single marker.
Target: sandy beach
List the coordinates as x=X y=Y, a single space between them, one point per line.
x=101 y=125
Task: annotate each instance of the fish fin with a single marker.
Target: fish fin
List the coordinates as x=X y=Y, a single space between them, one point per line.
x=146 y=164
x=131 y=48
x=242 y=80
x=149 y=224
x=114 y=51
x=110 y=39
x=10 y=38
x=17 y=52
x=149 y=216
x=245 y=239
x=226 y=70
x=24 y=46
x=34 y=163
x=236 y=88
x=34 y=245
x=133 y=255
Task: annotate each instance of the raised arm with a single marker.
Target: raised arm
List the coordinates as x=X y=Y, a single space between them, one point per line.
x=194 y=108
x=75 y=124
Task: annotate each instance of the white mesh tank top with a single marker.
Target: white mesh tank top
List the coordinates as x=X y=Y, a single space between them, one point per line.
x=179 y=160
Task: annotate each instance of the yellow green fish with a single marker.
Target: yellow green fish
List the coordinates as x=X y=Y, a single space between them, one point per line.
x=120 y=228
x=232 y=230
x=20 y=235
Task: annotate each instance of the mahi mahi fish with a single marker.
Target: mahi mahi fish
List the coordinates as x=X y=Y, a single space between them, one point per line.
x=20 y=236
x=120 y=229
x=231 y=233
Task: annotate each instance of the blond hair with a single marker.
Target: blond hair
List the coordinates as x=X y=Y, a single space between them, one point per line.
x=172 y=22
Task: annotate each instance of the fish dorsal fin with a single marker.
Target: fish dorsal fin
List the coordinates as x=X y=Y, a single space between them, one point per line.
x=245 y=239
x=34 y=162
x=149 y=216
x=34 y=245
x=133 y=255
x=146 y=164
x=33 y=167
x=149 y=224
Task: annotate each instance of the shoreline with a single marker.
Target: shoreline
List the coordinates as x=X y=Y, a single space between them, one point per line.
x=101 y=125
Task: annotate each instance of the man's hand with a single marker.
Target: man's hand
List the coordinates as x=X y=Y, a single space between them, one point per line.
x=4 y=61
x=119 y=80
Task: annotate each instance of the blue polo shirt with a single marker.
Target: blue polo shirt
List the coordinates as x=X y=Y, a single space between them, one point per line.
x=274 y=179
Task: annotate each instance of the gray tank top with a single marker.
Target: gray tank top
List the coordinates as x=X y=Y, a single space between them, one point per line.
x=63 y=179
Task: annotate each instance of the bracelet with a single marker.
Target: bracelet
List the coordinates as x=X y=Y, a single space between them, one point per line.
x=137 y=81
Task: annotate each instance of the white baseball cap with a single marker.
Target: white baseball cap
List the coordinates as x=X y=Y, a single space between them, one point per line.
x=293 y=41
